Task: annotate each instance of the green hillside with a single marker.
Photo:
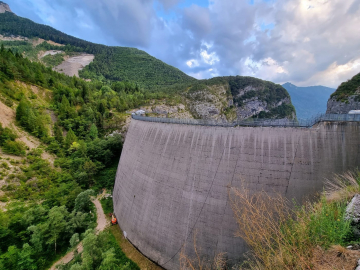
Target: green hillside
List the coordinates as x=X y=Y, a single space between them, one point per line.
x=348 y=88
x=111 y=63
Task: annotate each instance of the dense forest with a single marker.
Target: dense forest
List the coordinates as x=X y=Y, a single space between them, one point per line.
x=49 y=204
x=110 y=63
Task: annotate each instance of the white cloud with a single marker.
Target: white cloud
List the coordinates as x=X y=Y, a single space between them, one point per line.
x=301 y=41
x=192 y=63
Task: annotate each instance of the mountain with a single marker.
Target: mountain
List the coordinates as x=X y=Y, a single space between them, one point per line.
x=308 y=101
x=346 y=97
x=4 y=7
x=223 y=98
x=110 y=63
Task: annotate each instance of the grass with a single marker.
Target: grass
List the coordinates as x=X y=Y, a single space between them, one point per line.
x=126 y=247
x=284 y=236
x=107 y=205
x=131 y=252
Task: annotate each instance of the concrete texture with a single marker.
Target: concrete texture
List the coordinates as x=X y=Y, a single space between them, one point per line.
x=173 y=180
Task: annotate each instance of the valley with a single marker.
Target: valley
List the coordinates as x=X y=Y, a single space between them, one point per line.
x=65 y=116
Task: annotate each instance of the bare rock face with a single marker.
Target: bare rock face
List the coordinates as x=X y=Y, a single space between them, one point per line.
x=341 y=107
x=4 y=7
x=352 y=214
x=353 y=209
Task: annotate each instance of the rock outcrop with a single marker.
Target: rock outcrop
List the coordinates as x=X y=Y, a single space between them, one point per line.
x=4 y=7
x=238 y=97
x=341 y=107
x=346 y=97
x=261 y=99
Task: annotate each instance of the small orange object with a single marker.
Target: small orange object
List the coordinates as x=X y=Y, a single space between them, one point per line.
x=113 y=220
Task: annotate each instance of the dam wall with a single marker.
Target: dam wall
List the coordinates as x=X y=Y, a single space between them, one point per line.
x=172 y=180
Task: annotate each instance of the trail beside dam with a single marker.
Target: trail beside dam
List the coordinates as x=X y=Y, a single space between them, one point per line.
x=173 y=180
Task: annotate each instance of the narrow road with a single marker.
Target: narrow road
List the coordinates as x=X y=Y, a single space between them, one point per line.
x=101 y=225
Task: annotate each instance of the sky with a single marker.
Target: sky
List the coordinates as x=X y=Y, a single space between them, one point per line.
x=305 y=42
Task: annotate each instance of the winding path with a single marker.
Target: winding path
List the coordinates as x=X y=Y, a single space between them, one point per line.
x=101 y=225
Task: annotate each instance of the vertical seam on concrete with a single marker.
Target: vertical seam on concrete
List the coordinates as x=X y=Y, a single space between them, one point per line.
x=227 y=200
x=292 y=166
x=207 y=196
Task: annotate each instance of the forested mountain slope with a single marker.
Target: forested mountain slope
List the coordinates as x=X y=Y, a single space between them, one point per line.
x=346 y=97
x=308 y=101
x=111 y=63
x=53 y=148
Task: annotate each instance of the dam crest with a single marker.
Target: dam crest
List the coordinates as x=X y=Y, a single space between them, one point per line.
x=173 y=177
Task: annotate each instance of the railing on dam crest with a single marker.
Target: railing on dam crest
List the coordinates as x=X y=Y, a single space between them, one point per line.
x=256 y=122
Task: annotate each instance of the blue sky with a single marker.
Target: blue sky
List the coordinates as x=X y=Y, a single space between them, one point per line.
x=305 y=42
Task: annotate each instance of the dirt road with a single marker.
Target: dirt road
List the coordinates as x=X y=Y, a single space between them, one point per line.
x=102 y=223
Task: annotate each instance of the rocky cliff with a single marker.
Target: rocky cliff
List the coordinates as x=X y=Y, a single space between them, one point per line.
x=346 y=97
x=4 y=7
x=238 y=97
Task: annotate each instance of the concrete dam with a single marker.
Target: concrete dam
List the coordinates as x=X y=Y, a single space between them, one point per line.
x=172 y=180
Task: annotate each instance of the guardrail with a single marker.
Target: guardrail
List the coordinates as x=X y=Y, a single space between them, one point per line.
x=255 y=122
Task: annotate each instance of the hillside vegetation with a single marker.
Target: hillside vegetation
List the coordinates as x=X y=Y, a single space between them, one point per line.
x=347 y=89
x=53 y=147
x=282 y=235
x=110 y=63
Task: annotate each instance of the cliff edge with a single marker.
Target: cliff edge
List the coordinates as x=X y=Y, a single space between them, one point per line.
x=346 y=97
x=4 y=7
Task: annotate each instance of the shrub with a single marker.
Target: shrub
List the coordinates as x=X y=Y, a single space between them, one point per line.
x=14 y=147
x=284 y=237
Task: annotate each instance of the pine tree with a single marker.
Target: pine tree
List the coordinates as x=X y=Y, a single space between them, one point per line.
x=22 y=109
x=93 y=133
x=58 y=133
x=70 y=138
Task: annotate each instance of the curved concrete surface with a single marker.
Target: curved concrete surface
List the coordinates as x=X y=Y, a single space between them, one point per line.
x=173 y=180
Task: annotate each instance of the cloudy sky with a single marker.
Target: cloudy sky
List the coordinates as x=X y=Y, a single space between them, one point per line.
x=306 y=42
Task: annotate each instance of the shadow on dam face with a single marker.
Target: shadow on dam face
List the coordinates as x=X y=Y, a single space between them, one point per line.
x=173 y=180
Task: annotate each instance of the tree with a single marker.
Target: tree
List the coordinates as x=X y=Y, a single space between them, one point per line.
x=22 y=109
x=74 y=240
x=70 y=138
x=25 y=261
x=83 y=201
x=109 y=261
x=55 y=224
x=58 y=133
x=93 y=133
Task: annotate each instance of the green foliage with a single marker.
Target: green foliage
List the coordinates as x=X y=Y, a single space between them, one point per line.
x=101 y=252
x=83 y=201
x=6 y=134
x=106 y=177
x=70 y=138
x=107 y=205
x=110 y=63
x=347 y=89
x=14 y=147
x=327 y=226
x=8 y=143
x=32 y=120
x=93 y=133
x=282 y=111
x=31 y=233
x=53 y=60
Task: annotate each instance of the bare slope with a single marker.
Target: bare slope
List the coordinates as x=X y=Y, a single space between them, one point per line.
x=72 y=65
